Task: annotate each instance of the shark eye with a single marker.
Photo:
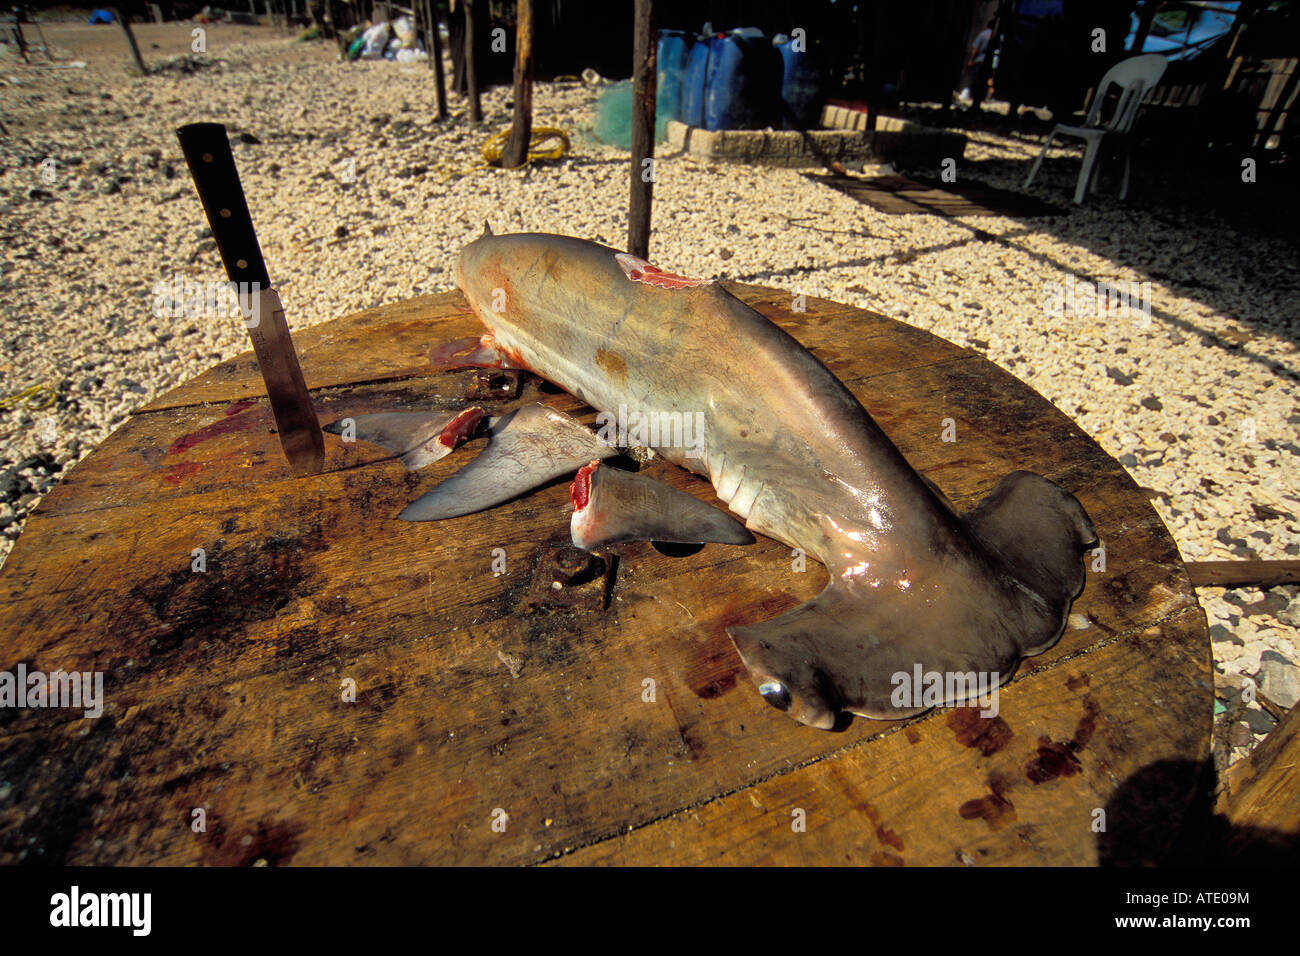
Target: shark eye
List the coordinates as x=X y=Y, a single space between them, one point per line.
x=775 y=694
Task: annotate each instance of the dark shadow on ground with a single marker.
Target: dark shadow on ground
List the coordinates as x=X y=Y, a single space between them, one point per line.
x=1193 y=196
x=1149 y=822
x=1220 y=303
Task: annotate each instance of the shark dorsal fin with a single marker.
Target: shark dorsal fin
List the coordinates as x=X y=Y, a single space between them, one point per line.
x=638 y=270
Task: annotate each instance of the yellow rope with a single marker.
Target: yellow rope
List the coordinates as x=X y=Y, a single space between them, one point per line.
x=495 y=145
x=31 y=396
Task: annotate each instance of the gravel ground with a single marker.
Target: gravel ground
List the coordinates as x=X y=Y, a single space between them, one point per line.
x=360 y=198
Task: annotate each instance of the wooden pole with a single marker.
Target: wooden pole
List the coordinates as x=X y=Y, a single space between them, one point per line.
x=435 y=57
x=130 y=40
x=1261 y=797
x=471 y=72
x=643 y=129
x=515 y=153
x=1236 y=574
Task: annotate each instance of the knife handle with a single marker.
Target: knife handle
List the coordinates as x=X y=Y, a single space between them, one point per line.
x=207 y=152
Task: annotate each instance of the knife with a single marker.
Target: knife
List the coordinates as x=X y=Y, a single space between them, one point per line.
x=207 y=152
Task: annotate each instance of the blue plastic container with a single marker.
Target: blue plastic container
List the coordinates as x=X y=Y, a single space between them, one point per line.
x=743 y=82
x=802 y=90
x=692 y=95
x=673 y=52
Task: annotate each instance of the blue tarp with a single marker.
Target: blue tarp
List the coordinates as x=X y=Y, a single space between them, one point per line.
x=1185 y=32
x=100 y=16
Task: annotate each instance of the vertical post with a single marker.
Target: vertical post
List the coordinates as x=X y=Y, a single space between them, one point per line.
x=130 y=40
x=435 y=56
x=1149 y=11
x=515 y=153
x=643 y=129
x=471 y=71
x=872 y=81
x=329 y=25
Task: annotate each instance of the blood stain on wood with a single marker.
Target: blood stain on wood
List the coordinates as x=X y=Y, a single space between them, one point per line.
x=988 y=734
x=272 y=843
x=754 y=612
x=1058 y=758
x=993 y=808
x=175 y=474
x=716 y=674
x=249 y=583
x=1052 y=760
x=234 y=421
x=890 y=837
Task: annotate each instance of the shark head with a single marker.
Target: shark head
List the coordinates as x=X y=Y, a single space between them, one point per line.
x=790 y=683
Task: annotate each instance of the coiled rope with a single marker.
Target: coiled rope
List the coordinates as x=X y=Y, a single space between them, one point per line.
x=496 y=144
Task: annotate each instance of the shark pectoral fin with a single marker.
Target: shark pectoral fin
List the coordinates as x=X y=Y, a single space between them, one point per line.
x=526 y=448
x=612 y=506
x=1039 y=530
x=417 y=438
x=477 y=351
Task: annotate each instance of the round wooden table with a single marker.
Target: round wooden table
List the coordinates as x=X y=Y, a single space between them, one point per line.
x=490 y=726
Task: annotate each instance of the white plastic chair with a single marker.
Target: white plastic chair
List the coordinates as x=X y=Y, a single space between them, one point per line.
x=1135 y=77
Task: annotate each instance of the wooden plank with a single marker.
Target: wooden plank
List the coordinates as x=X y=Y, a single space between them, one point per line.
x=1236 y=574
x=569 y=740
x=288 y=605
x=1027 y=788
x=1260 y=800
x=899 y=195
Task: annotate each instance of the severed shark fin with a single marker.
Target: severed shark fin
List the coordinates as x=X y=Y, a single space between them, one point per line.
x=877 y=643
x=612 y=506
x=417 y=438
x=526 y=448
x=477 y=351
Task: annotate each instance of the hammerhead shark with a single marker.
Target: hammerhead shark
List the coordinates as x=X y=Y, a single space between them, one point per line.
x=915 y=588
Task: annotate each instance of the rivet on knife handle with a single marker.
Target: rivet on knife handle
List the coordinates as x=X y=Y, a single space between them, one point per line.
x=207 y=151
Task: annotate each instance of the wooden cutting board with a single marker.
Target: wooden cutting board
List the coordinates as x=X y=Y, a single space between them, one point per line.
x=486 y=729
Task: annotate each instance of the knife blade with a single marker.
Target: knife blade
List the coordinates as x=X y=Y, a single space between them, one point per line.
x=212 y=164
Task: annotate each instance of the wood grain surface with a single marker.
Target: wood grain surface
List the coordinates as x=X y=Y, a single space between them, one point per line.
x=224 y=689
